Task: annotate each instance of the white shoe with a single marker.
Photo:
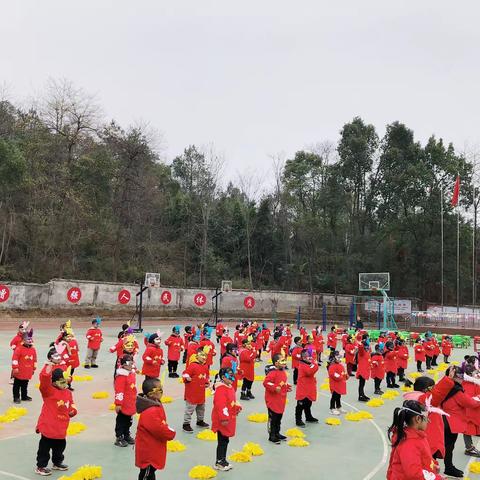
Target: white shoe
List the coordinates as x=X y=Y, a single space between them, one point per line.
x=342 y=410
x=334 y=411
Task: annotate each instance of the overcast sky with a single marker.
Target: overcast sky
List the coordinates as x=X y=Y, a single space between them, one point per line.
x=255 y=78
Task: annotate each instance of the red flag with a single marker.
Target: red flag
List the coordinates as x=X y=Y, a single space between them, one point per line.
x=456 y=192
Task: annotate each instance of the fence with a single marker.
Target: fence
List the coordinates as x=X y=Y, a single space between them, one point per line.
x=445 y=319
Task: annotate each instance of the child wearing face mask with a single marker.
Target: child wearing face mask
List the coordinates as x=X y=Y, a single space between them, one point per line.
x=153 y=356
x=306 y=392
x=224 y=415
x=125 y=396
x=58 y=407
x=24 y=364
x=337 y=381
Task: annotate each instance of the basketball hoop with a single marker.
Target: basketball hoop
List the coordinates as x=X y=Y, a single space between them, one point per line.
x=374 y=290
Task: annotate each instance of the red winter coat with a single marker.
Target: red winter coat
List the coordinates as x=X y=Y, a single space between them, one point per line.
x=436 y=349
x=239 y=337
x=126 y=391
x=152 y=361
x=219 y=330
x=227 y=362
x=429 y=348
x=195 y=388
x=457 y=407
x=118 y=348
x=24 y=360
x=16 y=341
x=296 y=357
x=378 y=366
x=247 y=364
x=94 y=337
x=344 y=340
x=363 y=362
x=447 y=347
x=332 y=340
x=391 y=362
x=153 y=433
x=338 y=378
x=411 y=458
x=402 y=356
x=211 y=350
x=274 y=400
x=419 y=353
x=175 y=347
x=318 y=342
x=224 y=409
x=265 y=335
x=73 y=359
x=307 y=382
x=223 y=343
x=57 y=409
x=473 y=414
x=350 y=353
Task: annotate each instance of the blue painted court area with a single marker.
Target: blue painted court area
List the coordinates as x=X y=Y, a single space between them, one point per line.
x=353 y=450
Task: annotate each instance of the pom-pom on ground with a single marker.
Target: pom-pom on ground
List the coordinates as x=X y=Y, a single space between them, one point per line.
x=259 y=378
x=403 y=388
x=111 y=406
x=240 y=457
x=294 y=432
x=414 y=375
x=74 y=428
x=358 y=416
x=202 y=472
x=12 y=414
x=82 y=378
x=207 y=435
x=390 y=395
x=87 y=472
x=167 y=399
x=213 y=372
x=175 y=446
x=333 y=421
x=258 y=417
x=100 y=395
x=298 y=442
x=474 y=467
x=375 y=402
x=253 y=449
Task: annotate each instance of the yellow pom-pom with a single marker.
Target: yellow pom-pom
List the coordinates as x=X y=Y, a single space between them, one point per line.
x=87 y=472
x=74 y=428
x=239 y=383
x=202 y=472
x=111 y=406
x=431 y=371
x=455 y=363
x=180 y=380
x=167 y=399
x=414 y=375
x=240 y=457
x=365 y=415
x=375 y=402
x=82 y=378
x=258 y=417
x=294 y=432
x=474 y=467
x=207 y=435
x=324 y=386
x=390 y=395
x=259 y=378
x=404 y=388
x=37 y=385
x=100 y=395
x=253 y=449
x=213 y=372
x=175 y=446
x=208 y=393
x=358 y=416
x=12 y=414
x=298 y=442
x=333 y=421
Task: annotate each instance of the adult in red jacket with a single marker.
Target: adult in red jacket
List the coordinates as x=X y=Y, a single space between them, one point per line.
x=363 y=367
x=224 y=415
x=378 y=369
x=196 y=380
x=247 y=357
x=175 y=346
x=447 y=347
x=57 y=409
x=391 y=365
x=306 y=392
x=410 y=458
x=276 y=389
x=402 y=359
x=125 y=396
x=153 y=357
x=95 y=339
x=24 y=364
x=337 y=382
x=153 y=432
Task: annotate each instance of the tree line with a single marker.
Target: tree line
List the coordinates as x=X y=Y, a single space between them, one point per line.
x=85 y=199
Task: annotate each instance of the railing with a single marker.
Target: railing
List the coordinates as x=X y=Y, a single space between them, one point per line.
x=445 y=319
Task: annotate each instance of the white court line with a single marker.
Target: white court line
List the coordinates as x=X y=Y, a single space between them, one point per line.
x=12 y=475
x=383 y=461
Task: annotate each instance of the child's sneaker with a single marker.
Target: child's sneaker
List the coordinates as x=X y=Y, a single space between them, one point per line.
x=334 y=411
x=27 y=399
x=472 y=452
x=187 y=428
x=87 y=366
x=17 y=400
x=202 y=424
x=342 y=410
x=223 y=466
x=94 y=366
x=130 y=440
x=62 y=467
x=120 y=442
x=44 y=472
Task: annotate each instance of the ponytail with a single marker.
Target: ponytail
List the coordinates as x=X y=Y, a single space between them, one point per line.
x=402 y=417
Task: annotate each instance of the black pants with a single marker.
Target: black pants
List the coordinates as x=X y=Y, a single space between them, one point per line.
x=390 y=379
x=274 y=424
x=445 y=358
x=429 y=363
x=147 y=473
x=377 y=382
x=184 y=359
x=361 y=387
x=172 y=366
x=401 y=374
x=450 y=439
x=20 y=386
x=57 y=446
x=222 y=444
x=335 y=401
x=122 y=425
x=419 y=365
x=304 y=405
x=247 y=385
x=434 y=361
x=295 y=375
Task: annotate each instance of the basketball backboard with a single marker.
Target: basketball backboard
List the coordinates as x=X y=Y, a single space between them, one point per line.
x=152 y=280
x=226 y=285
x=373 y=281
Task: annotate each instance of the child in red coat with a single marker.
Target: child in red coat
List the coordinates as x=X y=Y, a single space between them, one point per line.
x=276 y=389
x=95 y=339
x=332 y=339
x=175 y=346
x=363 y=366
x=350 y=350
x=224 y=415
x=125 y=396
x=153 y=432
x=391 y=365
x=410 y=457
x=378 y=369
x=224 y=341
x=337 y=382
x=296 y=356
x=419 y=354
x=429 y=346
x=196 y=380
x=57 y=409
x=318 y=343
x=153 y=356
x=230 y=360
x=24 y=364
x=306 y=392
x=402 y=359
x=247 y=369
x=447 y=347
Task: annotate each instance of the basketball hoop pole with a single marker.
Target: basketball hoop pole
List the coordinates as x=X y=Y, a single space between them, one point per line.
x=140 y=306
x=218 y=292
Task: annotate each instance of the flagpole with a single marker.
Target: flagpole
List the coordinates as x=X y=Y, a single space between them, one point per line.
x=458 y=259
x=441 y=230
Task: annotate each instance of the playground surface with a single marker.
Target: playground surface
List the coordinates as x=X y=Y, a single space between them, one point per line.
x=352 y=450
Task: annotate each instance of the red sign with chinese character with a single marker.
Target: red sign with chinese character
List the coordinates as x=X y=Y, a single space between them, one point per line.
x=200 y=299
x=166 y=297
x=124 y=296
x=249 y=302
x=4 y=293
x=74 y=295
